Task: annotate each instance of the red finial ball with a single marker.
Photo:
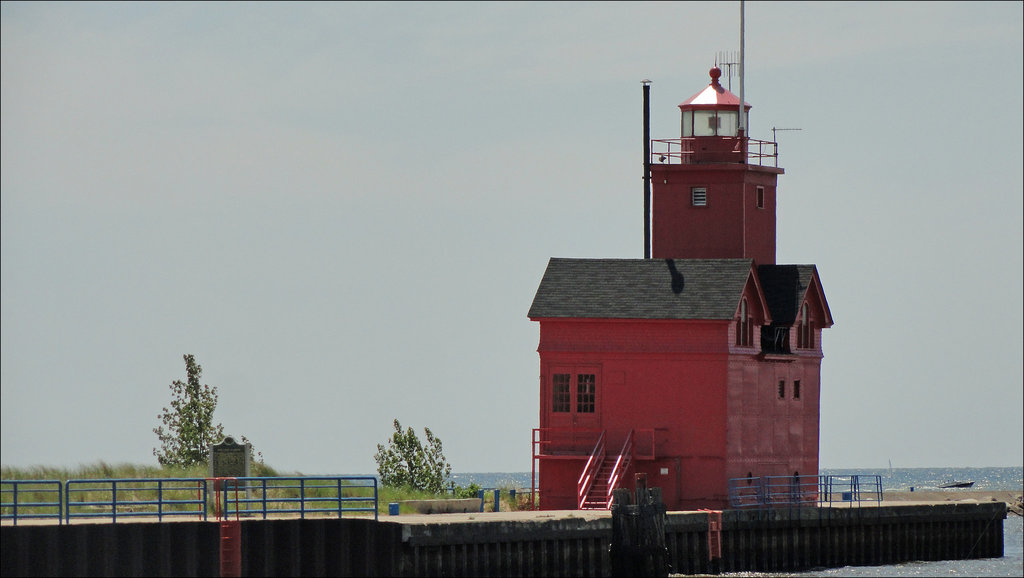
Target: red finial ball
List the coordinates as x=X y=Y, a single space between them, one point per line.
x=715 y=72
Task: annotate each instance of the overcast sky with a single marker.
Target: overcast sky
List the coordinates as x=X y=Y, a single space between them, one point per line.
x=343 y=210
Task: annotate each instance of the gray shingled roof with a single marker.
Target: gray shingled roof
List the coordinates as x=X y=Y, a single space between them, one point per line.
x=784 y=287
x=641 y=288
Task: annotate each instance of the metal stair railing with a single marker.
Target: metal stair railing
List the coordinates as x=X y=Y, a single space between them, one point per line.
x=590 y=470
x=622 y=464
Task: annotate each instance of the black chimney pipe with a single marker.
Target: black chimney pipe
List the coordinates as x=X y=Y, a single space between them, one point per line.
x=647 y=169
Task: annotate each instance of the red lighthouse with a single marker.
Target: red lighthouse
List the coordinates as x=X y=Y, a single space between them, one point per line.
x=697 y=366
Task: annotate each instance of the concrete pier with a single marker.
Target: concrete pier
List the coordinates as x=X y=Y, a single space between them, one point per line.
x=565 y=543
x=574 y=543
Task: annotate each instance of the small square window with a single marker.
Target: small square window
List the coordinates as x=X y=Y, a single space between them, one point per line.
x=782 y=390
x=796 y=389
x=760 y=197
x=699 y=196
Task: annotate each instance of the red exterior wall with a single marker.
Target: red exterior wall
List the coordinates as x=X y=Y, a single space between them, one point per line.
x=730 y=226
x=714 y=406
x=668 y=376
x=769 y=435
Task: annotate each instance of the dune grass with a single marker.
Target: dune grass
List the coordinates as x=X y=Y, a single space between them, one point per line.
x=121 y=471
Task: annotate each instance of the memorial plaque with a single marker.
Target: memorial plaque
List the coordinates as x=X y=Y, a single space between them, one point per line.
x=230 y=459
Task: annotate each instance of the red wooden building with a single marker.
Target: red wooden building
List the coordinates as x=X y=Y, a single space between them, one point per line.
x=698 y=365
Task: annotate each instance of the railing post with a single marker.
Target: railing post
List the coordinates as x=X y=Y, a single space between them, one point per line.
x=15 y=503
x=263 y=496
x=340 y=510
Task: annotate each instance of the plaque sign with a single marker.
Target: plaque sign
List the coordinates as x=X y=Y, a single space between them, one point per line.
x=230 y=459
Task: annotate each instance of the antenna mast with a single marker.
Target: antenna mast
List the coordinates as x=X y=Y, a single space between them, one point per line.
x=743 y=120
x=728 y=60
x=775 y=142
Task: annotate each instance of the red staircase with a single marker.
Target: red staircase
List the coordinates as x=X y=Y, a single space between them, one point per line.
x=598 y=496
x=610 y=473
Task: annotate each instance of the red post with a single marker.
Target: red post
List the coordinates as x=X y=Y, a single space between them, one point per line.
x=230 y=532
x=230 y=548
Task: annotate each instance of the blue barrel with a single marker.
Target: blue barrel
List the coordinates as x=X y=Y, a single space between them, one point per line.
x=393 y=508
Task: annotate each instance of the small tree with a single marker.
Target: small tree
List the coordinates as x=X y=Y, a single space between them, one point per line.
x=188 y=428
x=406 y=462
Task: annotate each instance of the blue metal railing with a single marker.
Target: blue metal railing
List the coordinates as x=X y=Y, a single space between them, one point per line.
x=186 y=497
x=32 y=498
x=135 y=497
x=305 y=495
x=852 y=488
x=796 y=491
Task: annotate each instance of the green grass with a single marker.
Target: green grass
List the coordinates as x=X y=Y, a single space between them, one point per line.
x=143 y=491
x=103 y=470
x=132 y=496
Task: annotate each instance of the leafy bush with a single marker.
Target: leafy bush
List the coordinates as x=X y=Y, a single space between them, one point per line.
x=405 y=461
x=470 y=491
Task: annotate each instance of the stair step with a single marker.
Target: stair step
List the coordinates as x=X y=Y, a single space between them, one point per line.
x=597 y=497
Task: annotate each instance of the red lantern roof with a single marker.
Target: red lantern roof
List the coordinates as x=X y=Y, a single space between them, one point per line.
x=714 y=96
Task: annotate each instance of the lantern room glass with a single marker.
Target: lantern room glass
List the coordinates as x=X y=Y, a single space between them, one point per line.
x=727 y=125
x=710 y=123
x=705 y=123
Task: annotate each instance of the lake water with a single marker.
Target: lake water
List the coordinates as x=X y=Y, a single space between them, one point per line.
x=899 y=479
x=896 y=479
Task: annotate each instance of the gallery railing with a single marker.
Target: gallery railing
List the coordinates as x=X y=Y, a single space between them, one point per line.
x=675 y=151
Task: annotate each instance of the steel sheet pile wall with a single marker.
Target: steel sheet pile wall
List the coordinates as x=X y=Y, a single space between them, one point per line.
x=325 y=547
x=538 y=547
x=805 y=538
x=552 y=545
x=102 y=549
